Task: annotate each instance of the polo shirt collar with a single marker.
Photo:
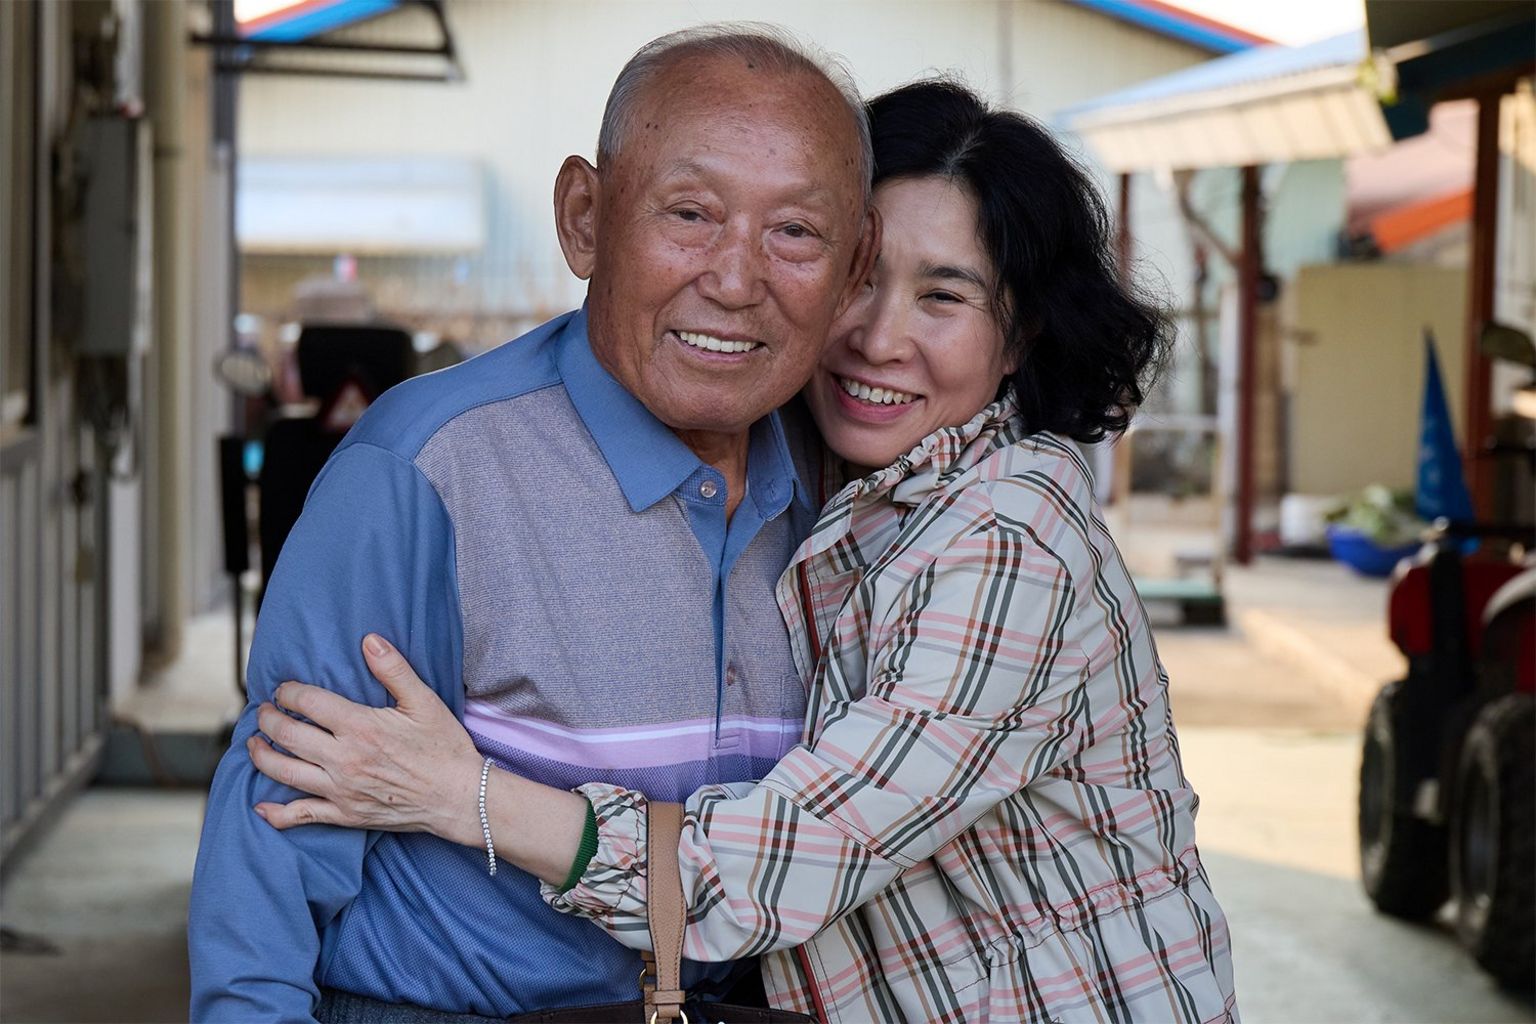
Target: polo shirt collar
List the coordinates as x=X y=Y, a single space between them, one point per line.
x=772 y=482
x=647 y=459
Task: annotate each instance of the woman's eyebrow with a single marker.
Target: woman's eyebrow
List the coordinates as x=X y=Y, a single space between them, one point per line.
x=951 y=272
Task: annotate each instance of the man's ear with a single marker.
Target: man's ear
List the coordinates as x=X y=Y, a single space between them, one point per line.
x=863 y=259
x=578 y=193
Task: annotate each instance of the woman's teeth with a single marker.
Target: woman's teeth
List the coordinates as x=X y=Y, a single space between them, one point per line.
x=875 y=396
x=710 y=343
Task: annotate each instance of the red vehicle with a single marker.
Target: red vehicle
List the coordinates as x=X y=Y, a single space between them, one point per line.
x=1448 y=772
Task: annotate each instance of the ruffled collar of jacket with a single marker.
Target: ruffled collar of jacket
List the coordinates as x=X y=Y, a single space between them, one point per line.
x=942 y=456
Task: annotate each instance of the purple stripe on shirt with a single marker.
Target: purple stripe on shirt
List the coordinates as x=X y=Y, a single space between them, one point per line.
x=630 y=747
x=664 y=782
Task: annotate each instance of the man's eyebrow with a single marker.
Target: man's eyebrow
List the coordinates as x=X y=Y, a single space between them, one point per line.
x=950 y=272
x=684 y=168
x=687 y=169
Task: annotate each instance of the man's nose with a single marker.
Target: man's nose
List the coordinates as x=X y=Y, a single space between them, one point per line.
x=736 y=275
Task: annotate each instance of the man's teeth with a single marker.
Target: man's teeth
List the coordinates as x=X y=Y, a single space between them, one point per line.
x=710 y=343
x=875 y=396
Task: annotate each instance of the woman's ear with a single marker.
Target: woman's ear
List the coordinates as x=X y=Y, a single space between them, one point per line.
x=1013 y=355
x=578 y=194
x=863 y=259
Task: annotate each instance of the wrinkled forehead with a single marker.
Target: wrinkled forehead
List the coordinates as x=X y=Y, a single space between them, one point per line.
x=696 y=96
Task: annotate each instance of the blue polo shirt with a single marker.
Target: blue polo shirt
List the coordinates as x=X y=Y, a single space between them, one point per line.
x=559 y=567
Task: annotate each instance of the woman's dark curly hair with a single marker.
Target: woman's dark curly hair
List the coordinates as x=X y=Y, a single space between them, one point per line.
x=1087 y=345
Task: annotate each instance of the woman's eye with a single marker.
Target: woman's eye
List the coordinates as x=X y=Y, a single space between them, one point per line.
x=944 y=296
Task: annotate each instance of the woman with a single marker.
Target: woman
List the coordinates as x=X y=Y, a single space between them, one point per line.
x=987 y=818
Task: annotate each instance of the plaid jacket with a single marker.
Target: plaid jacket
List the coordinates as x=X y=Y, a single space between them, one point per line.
x=987 y=819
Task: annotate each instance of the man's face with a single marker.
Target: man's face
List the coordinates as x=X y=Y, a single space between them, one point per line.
x=725 y=236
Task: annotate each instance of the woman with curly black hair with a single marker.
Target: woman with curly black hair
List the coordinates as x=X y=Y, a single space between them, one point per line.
x=986 y=817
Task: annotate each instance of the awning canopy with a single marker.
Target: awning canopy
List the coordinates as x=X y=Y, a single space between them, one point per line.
x=1392 y=23
x=1275 y=104
x=1345 y=96
x=293 y=20
x=396 y=40
x=326 y=206
x=1449 y=51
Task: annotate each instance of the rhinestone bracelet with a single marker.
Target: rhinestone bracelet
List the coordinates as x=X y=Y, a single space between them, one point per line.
x=485 y=820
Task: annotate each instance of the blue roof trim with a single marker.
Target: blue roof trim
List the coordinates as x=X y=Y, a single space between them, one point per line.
x=1170 y=24
x=320 y=20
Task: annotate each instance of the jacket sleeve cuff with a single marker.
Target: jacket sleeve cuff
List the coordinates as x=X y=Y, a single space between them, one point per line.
x=612 y=888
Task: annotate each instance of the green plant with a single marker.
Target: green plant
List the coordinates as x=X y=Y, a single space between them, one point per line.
x=1381 y=514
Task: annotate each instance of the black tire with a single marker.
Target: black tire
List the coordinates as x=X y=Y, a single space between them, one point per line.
x=1402 y=858
x=1493 y=847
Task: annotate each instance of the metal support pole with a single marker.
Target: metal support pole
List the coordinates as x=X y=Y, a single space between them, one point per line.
x=1123 y=230
x=1120 y=458
x=1249 y=263
x=1477 y=424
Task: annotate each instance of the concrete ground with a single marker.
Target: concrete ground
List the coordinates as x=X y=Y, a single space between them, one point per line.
x=1269 y=713
x=107 y=890
x=1277 y=835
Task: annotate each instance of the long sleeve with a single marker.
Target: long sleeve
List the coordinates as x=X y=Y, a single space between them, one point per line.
x=373 y=551
x=974 y=688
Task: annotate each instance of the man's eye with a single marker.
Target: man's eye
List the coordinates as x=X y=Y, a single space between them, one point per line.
x=691 y=216
x=798 y=231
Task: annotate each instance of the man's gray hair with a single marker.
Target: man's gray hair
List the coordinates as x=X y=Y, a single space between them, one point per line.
x=765 y=46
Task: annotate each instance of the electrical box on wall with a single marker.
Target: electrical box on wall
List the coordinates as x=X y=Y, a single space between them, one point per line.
x=115 y=155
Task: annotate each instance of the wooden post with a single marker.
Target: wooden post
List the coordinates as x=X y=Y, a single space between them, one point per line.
x=1249 y=263
x=1477 y=421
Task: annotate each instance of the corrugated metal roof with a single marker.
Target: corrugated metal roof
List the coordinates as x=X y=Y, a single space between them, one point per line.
x=1265 y=64
x=1275 y=104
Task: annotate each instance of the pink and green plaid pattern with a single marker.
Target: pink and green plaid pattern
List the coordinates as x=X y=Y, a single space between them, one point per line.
x=987 y=819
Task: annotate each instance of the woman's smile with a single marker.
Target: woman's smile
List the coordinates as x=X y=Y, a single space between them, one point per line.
x=874 y=404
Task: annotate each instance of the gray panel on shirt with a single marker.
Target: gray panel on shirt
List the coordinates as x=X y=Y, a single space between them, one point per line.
x=575 y=607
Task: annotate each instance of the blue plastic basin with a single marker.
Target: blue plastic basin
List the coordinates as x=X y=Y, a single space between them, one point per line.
x=1364 y=555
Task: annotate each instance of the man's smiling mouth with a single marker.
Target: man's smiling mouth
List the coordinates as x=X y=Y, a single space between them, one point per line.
x=710 y=343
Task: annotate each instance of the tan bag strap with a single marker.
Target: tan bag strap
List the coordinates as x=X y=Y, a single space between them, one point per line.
x=667 y=911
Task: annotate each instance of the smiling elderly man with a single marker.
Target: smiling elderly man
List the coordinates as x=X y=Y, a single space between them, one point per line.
x=575 y=537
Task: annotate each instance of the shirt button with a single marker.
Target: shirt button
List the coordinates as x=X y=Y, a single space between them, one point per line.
x=707 y=489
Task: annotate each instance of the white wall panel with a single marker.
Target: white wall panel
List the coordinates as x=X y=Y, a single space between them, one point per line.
x=539 y=72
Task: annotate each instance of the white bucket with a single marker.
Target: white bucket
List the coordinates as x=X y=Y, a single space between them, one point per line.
x=1301 y=519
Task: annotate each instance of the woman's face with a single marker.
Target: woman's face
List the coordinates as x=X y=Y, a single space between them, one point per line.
x=920 y=348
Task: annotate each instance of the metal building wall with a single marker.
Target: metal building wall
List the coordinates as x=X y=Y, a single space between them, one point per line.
x=52 y=691
x=107 y=482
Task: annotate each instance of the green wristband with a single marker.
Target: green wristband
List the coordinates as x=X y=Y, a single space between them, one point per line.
x=584 y=853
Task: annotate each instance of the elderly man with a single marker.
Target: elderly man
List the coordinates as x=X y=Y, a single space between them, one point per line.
x=575 y=537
